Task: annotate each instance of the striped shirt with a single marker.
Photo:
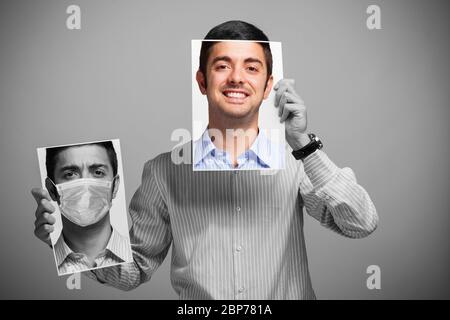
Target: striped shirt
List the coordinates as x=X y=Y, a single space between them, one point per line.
x=263 y=154
x=117 y=251
x=237 y=234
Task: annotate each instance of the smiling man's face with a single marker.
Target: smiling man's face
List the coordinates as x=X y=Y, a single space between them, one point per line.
x=236 y=79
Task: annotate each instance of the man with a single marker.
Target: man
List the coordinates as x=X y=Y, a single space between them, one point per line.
x=238 y=234
x=236 y=77
x=83 y=180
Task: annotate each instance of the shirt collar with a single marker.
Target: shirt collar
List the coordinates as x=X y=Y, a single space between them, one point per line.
x=117 y=245
x=203 y=147
x=265 y=150
x=62 y=250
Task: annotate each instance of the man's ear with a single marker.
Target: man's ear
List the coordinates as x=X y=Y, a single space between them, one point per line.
x=268 y=87
x=51 y=188
x=201 y=81
x=116 y=184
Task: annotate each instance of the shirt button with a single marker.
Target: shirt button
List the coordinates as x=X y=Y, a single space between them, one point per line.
x=238 y=248
x=241 y=289
x=238 y=208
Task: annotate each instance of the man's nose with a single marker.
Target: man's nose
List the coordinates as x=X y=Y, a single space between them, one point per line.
x=236 y=76
x=85 y=173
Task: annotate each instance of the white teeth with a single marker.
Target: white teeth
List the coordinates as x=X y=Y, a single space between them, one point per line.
x=239 y=95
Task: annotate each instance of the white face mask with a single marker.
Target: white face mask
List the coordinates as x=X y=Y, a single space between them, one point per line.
x=85 y=201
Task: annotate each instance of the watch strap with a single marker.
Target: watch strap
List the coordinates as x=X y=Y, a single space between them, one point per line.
x=312 y=146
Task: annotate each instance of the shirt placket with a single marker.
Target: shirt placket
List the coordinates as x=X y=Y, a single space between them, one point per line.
x=237 y=247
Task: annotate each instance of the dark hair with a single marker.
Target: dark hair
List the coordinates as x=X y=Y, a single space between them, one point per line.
x=52 y=156
x=234 y=30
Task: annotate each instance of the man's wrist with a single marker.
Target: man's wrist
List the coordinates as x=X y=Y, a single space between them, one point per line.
x=302 y=141
x=313 y=145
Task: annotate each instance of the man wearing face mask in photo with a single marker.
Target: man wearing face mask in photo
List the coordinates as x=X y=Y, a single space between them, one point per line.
x=83 y=180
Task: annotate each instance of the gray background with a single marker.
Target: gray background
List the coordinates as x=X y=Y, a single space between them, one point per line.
x=378 y=99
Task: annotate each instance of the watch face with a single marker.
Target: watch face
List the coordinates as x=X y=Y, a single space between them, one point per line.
x=318 y=142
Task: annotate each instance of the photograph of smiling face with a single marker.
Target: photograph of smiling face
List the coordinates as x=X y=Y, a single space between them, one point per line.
x=235 y=122
x=235 y=83
x=83 y=181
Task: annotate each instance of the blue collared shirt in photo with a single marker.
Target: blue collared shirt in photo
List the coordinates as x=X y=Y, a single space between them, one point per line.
x=263 y=154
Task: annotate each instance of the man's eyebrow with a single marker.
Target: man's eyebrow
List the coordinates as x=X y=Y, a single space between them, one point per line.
x=221 y=58
x=71 y=167
x=253 y=60
x=98 y=165
x=74 y=167
x=228 y=59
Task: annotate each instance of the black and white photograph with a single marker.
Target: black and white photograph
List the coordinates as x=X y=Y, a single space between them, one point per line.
x=84 y=182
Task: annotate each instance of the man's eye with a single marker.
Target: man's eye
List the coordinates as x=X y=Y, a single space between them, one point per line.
x=252 y=69
x=99 y=173
x=70 y=174
x=221 y=67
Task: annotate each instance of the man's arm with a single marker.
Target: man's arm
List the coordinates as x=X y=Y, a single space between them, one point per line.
x=333 y=197
x=150 y=234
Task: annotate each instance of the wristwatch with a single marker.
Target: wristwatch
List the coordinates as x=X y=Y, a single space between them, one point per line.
x=314 y=145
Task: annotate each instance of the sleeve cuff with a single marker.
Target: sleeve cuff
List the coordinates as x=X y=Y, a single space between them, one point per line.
x=319 y=168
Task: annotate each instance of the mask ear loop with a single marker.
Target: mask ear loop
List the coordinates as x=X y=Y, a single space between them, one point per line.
x=113 y=186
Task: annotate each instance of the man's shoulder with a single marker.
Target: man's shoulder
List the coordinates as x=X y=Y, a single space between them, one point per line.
x=178 y=158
